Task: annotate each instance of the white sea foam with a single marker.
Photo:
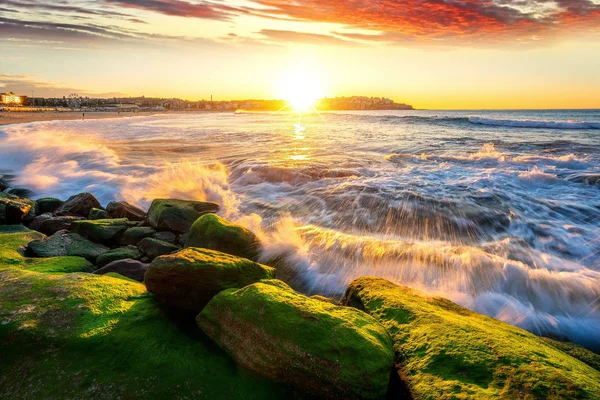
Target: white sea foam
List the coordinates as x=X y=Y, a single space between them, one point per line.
x=534 y=124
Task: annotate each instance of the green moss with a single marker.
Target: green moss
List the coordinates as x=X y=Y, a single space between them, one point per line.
x=446 y=351
x=189 y=278
x=86 y=336
x=213 y=232
x=319 y=348
x=177 y=215
x=574 y=350
x=119 y=276
x=66 y=264
x=14 y=239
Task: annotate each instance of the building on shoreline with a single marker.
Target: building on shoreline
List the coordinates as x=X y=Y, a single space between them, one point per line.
x=11 y=99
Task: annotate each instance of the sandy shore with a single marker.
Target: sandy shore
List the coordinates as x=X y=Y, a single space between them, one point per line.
x=7 y=118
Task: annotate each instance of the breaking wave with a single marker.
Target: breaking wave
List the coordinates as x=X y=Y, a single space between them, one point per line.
x=534 y=124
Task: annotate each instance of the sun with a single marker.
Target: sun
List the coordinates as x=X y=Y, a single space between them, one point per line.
x=301 y=89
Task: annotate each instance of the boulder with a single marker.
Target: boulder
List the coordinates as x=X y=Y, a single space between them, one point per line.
x=37 y=221
x=153 y=248
x=444 y=349
x=19 y=192
x=79 y=204
x=86 y=336
x=49 y=226
x=48 y=204
x=166 y=236
x=189 y=278
x=119 y=253
x=133 y=236
x=213 y=232
x=122 y=209
x=98 y=213
x=320 y=349
x=107 y=231
x=65 y=243
x=14 y=210
x=177 y=215
x=129 y=268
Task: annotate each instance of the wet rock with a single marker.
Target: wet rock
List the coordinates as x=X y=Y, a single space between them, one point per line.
x=19 y=192
x=37 y=221
x=48 y=204
x=98 y=213
x=14 y=210
x=129 y=268
x=166 y=236
x=49 y=226
x=320 y=349
x=443 y=349
x=153 y=248
x=183 y=238
x=177 y=215
x=213 y=232
x=122 y=209
x=80 y=204
x=119 y=253
x=106 y=231
x=133 y=236
x=189 y=278
x=64 y=243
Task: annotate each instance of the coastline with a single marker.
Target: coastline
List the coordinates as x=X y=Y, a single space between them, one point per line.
x=10 y=118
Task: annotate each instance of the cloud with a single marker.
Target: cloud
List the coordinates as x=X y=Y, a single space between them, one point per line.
x=26 y=84
x=443 y=20
x=303 y=37
x=179 y=8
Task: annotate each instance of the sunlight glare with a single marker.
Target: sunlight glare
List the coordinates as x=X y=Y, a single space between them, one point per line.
x=301 y=89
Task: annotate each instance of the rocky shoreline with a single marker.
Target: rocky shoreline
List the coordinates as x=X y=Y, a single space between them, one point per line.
x=116 y=302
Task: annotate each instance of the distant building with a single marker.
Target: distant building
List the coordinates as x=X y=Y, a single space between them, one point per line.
x=11 y=99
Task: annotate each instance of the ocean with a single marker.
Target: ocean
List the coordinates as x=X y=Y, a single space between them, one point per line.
x=498 y=211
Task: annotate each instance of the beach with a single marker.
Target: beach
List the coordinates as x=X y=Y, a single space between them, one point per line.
x=19 y=117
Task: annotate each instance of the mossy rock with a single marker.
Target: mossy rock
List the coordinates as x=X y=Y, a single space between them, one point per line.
x=213 y=232
x=48 y=204
x=191 y=277
x=13 y=243
x=98 y=213
x=119 y=253
x=106 y=231
x=79 y=204
x=14 y=210
x=64 y=243
x=318 y=348
x=177 y=215
x=445 y=351
x=83 y=336
x=153 y=248
x=133 y=236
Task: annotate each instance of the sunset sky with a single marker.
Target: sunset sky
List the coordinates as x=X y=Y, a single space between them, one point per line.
x=432 y=54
